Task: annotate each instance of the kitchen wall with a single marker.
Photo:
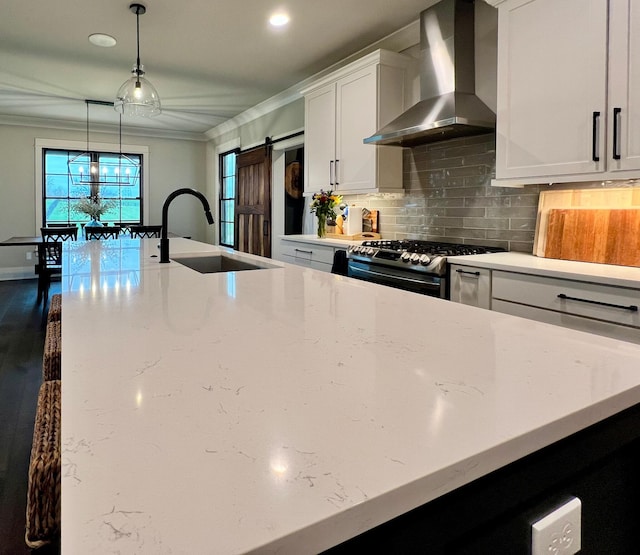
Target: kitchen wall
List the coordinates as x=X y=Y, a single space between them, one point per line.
x=448 y=196
x=173 y=163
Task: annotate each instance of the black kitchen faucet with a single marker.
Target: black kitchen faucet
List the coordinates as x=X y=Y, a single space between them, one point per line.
x=164 y=239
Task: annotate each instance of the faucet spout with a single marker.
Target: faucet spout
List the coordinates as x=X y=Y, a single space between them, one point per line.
x=164 y=239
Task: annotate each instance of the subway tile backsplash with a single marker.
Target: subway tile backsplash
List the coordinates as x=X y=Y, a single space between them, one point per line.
x=448 y=197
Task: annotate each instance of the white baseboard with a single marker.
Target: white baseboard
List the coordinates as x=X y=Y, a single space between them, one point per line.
x=20 y=272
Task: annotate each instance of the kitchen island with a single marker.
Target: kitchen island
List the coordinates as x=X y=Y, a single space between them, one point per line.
x=286 y=410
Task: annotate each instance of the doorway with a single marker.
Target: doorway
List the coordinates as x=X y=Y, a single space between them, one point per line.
x=293 y=187
x=253 y=202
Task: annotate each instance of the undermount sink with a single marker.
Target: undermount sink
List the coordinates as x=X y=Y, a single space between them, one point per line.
x=217 y=263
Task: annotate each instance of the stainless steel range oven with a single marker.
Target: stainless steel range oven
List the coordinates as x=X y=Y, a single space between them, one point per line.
x=418 y=266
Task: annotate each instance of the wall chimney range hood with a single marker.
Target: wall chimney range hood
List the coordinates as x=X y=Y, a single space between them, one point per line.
x=448 y=106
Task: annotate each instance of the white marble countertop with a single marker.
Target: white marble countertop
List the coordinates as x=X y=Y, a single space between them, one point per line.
x=314 y=239
x=621 y=276
x=286 y=410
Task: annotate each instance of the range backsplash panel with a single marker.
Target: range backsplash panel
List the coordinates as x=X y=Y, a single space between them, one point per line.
x=448 y=197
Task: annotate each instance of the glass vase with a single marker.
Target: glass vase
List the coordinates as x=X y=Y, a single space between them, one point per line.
x=93 y=222
x=322 y=225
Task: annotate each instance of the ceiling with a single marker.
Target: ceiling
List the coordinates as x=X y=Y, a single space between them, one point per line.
x=209 y=60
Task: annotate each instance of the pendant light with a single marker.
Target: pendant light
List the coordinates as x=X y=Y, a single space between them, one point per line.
x=116 y=170
x=137 y=96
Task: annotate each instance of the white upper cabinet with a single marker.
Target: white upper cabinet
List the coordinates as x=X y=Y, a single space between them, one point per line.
x=558 y=63
x=624 y=84
x=342 y=109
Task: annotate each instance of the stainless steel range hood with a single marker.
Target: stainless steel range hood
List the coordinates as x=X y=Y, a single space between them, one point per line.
x=448 y=107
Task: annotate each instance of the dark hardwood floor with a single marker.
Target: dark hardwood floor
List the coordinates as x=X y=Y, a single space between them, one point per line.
x=22 y=329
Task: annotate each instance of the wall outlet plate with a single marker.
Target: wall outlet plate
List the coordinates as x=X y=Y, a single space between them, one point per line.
x=559 y=532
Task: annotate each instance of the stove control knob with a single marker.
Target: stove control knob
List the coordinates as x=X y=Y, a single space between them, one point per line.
x=424 y=259
x=437 y=260
x=371 y=251
x=405 y=256
x=415 y=258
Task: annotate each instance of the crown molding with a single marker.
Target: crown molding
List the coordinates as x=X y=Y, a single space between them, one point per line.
x=48 y=123
x=400 y=40
x=267 y=106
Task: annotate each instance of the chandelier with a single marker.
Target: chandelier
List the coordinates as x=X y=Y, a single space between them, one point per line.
x=92 y=170
x=137 y=96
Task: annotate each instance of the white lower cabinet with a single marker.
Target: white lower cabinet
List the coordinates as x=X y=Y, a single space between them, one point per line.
x=566 y=320
x=598 y=308
x=471 y=286
x=318 y=257
x=591 y=307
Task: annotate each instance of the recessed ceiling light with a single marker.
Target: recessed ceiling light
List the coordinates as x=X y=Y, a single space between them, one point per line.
x=279 y=19
x=100 y=39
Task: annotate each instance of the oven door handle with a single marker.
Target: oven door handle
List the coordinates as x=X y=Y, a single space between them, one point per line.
x=356 y=270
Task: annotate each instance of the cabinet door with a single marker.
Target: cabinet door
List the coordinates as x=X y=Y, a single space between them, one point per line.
x=320 y=133
x=471 y=286
x=579 y=323
x=624 y=85
x=552 y=69
x=355 y=120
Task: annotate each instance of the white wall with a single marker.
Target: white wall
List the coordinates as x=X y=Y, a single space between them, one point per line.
x=290 y=117
x=173 y=163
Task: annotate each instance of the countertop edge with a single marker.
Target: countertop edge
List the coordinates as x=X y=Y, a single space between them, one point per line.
x=607 y=274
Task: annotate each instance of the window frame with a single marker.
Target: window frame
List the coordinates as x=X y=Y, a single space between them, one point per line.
x=95 y=157
x=222 y=199
x=80 y=146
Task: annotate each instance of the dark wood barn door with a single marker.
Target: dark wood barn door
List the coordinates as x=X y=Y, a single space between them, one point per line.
x=253 y=206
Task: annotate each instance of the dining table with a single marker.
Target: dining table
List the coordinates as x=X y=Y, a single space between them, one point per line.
x=28 y=241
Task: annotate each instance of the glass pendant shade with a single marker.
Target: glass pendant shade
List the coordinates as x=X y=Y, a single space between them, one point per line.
x=137 y=97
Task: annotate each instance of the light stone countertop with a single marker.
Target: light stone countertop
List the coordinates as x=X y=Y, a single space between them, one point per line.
x=621 y=276
x=286 y=410
x=315 y=240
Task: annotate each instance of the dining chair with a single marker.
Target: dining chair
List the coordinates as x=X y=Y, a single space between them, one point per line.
x=50 y=256
x=67 y=233
x=49 y=265
x=124 y=227
x=145 y=231
x=105 y=232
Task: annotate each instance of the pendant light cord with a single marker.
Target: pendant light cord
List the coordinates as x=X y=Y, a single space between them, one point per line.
x=87 y=103
x=138 y=43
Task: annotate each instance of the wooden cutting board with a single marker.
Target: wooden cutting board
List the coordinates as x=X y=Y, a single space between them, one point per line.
x=615 y=197
x=608 y=236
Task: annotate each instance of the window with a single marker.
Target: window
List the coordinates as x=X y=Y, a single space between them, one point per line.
x=227 y=198
x=117 y=180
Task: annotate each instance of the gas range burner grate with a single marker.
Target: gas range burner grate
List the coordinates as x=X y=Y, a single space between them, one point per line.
x=431 y=247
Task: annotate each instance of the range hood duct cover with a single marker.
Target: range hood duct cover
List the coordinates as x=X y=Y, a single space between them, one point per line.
x=448 y=107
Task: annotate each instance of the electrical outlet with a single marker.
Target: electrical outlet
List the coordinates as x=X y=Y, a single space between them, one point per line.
x=559 y=532
x=29 y=255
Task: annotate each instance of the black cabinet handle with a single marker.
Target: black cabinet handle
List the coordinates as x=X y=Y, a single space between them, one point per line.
x=631 y=307
x=594 y=138
x=305 y=252
x=616 y=131
x=336 y=180
x=331 y=173
x=477 y=274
